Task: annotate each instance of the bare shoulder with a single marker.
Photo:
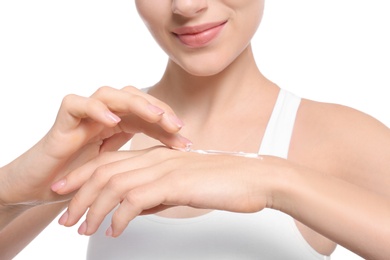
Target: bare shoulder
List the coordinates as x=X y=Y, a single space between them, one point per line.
x=345 y=122
x=339 y=140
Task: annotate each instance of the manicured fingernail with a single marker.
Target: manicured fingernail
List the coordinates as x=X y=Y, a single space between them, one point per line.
x=156 y=110
x=109 y=231
x=58 y=185
x=83 y=228
x=64 y=218
x=174 y=119
x=187 y=143
x=112 y=117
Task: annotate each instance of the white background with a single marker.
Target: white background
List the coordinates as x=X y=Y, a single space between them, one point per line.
x=334 y=51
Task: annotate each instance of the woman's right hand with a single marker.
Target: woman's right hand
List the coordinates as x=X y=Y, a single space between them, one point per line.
x=85 y=127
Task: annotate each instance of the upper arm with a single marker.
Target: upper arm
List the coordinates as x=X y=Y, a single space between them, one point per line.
x=343 y=142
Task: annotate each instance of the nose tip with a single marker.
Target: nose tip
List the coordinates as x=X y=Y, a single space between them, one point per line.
x=188 y=8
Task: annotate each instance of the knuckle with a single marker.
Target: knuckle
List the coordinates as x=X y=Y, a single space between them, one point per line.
x=105 y=158
x=115 y=183
x=136 y=99
x=160 y=153
x=100 y=173
x=144 y=97
x=92 y=103
x=130 y=88
x=68 y=99
x=134 y=199
x=102 y=91
x=75 y=202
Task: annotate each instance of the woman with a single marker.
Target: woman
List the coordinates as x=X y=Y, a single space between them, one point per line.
x=215 y=72
x=213 y=84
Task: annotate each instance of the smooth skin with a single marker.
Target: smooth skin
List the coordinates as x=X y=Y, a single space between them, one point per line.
x=334 y=183
x=85 y=127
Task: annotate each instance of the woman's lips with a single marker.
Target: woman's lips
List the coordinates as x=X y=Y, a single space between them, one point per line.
x=199 y=36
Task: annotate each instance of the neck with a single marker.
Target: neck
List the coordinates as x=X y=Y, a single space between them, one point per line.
x=239 y=81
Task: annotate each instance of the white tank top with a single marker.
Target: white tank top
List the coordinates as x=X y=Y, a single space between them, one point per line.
x=268 y=234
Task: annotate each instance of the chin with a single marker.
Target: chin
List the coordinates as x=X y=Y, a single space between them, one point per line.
x=205 y=71
x=203 y=67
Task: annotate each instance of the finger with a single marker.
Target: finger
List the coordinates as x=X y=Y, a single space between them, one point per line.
x=131 y=124
x=84 y=197
x=136 y=201
x=74 y=108
x=132 y=100
x=115 y=142
x=137 y=106
x=100 y=172
x=146 y=170
x=156 y=209
x=103 y=172
x=76 y=178
x=113 y=193
x=169 y=116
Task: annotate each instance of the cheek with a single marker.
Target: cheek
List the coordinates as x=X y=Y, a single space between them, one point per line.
x=250 y=15
x=154 y=14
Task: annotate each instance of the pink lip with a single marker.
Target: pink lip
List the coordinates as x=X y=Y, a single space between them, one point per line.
x=199 y=36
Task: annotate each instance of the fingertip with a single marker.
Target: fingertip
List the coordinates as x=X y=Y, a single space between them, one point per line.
x=83 y=228
x=176 y=121
x=156 y=110
x=180 y=143
x=113 y=118
x=109 y=231
x=184 y=141
x=58 y=186
x=63 y=219
x=171 y=123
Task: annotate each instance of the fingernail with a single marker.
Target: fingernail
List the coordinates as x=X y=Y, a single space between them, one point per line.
x=156 y=110
x=185 y=144
x=109 y=231
x=176 y=121
x=83 y=228
x=58 y=185
x=112 y=117
x=64 y=218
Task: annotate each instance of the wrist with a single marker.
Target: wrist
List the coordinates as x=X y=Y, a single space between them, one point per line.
x=283 y=182
x=9 y=210
x=9 y=213
x=15 y=191
x=4 y=188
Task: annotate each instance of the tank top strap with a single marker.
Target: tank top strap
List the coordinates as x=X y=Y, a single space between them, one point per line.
x=277 y=136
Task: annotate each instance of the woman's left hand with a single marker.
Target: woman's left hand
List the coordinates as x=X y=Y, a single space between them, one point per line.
x=148 y=181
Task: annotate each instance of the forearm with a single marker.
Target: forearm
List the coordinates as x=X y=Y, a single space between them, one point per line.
x=23 y=214
x=349 y=215
x=24 y=228
x=19 y=183
x=14 y=197
x=20 y=220
x=8 y=212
